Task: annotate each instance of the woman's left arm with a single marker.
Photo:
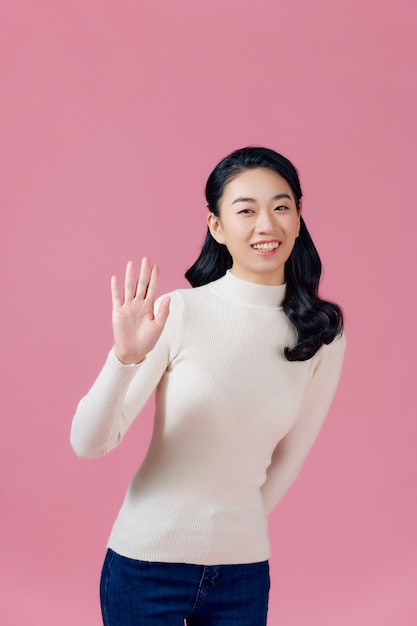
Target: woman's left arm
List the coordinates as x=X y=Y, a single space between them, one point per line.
x=291 y=452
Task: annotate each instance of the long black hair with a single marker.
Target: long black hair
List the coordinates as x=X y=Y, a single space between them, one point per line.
x=316 y=321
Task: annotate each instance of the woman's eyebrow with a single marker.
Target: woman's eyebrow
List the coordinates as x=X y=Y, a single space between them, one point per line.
x=243 y=200
x=278 y=196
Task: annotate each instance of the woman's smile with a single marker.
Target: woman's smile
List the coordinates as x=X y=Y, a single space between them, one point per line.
x=266 y=248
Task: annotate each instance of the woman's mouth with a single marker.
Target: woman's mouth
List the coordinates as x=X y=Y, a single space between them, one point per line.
x=267 y=246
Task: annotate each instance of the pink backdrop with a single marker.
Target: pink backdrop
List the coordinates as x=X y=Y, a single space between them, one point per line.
x=112 y=116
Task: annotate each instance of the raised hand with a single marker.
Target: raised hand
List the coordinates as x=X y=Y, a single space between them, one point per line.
x=135 y=327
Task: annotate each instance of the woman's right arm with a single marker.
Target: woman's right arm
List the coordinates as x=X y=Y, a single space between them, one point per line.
x=133 y=368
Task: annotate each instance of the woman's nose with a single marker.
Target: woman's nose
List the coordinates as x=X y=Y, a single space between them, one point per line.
x=265 y=222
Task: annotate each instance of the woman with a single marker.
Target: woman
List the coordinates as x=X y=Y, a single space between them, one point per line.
x=245 y=366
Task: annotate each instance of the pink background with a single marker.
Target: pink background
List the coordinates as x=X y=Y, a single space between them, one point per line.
x=112 y=116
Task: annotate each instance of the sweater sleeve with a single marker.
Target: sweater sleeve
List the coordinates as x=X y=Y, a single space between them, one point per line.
x=120 y=392
x=291 y=452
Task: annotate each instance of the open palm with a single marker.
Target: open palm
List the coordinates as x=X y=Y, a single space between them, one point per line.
x=135 y=327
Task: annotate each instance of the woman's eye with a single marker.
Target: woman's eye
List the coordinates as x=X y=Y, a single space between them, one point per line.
x=281 y=208
x=245 y=211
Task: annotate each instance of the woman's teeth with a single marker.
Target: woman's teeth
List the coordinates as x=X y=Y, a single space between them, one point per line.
x=266 y=247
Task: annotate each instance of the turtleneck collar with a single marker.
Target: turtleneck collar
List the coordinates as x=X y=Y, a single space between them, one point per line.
x=247 y=293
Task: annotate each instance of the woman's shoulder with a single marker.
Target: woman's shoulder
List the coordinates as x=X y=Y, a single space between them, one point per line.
x=187 y=294
x=332 y=352
x=182 y=298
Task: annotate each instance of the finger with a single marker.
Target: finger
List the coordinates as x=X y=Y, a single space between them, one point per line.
x=163 y=312
x=130 y=282
x=115 y=294
x=153 y=283
x=144 y=275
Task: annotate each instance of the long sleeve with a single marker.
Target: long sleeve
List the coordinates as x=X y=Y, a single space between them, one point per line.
x=120 y=392
x=291 y=452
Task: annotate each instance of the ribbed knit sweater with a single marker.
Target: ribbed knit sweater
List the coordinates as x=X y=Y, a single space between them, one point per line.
x=234 y=421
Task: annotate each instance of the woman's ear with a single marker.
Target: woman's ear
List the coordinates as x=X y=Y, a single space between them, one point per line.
x=215 y=227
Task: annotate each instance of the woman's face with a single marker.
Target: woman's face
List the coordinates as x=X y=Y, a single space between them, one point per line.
x=258 y=223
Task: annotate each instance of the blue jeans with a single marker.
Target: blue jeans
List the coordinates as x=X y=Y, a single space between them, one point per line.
x=142 y=593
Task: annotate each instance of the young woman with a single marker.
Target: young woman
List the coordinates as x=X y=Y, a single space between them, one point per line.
x=245 y=366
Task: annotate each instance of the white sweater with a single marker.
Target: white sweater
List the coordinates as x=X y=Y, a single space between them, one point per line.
x=234 y=421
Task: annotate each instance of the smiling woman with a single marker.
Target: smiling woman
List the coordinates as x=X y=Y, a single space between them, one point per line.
x=252 y=182
x=234 y=418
